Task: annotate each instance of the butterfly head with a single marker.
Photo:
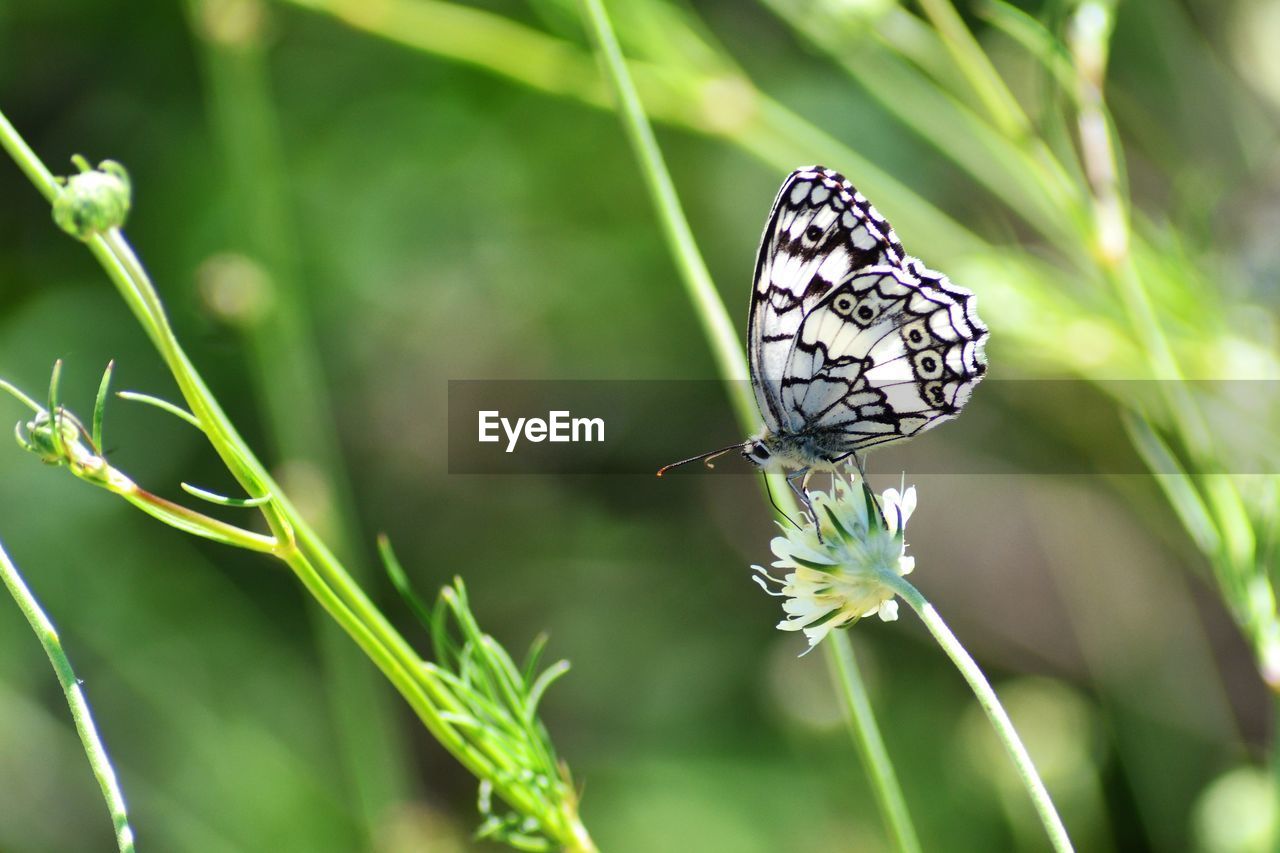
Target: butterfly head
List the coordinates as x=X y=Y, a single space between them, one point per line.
x=758 y=453
x=789 y=451
x=778 y=451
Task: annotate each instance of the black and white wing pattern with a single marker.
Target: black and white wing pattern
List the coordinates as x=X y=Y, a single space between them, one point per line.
x=889 y=352
x=853 y=343
x=819 y=230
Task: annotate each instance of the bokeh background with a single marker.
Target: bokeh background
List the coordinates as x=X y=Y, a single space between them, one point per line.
x=346 y=205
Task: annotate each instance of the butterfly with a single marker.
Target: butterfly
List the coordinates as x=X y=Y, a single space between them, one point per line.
x=852 y=343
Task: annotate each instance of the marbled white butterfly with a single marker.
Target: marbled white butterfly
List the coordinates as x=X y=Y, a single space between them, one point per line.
x=853 y=343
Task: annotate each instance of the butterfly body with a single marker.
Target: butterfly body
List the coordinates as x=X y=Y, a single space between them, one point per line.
x=852 y=343
x=819 y=450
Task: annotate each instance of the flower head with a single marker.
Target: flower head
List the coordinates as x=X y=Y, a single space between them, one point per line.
x=93 y=201
x=839 y=578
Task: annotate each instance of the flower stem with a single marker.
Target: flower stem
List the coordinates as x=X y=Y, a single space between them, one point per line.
x=866 y=735
x=80 y=714
x=296 y=543
x=30 y=164
x=727 y=350
x=284 y=367
x=702 y=292
x=990 y=705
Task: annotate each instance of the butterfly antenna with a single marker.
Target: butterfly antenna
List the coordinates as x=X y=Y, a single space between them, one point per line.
x=709 y=457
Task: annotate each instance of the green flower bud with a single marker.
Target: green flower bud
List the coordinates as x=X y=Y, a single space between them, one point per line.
x=93 y=201
x=38 y=437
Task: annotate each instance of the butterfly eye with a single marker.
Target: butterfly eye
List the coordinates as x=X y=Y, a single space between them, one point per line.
x=757 y=452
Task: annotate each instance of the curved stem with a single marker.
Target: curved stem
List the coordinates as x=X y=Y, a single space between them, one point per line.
x=702 y=292
x=296 y=543
x=974 y=64
x=30 y=164
x=99 y=762
x=866 y=735
x=720 y=333
x=285 y=372
x=990 y=705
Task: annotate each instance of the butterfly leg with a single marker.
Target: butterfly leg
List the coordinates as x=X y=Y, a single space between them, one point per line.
x=769 y=491
x=860 y=465
x=799 y=483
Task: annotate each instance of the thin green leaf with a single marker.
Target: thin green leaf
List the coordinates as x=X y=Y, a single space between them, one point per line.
x=15 y=392
x=162 y=405
x=472 y=669
x=1034 y=37
x=400 y=580
x=446 y=651
x=1176 y=484
x=460 y=603
x=222 y=500
x=508 y=680
x=501 y=747
x=502 y=662
x=549 y=676
x=532 y=657
x=100 y=406
x=55 y=410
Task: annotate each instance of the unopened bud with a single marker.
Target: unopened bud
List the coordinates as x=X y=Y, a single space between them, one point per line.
x=93 y=201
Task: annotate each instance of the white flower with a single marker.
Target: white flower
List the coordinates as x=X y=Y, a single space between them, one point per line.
x=837 y=580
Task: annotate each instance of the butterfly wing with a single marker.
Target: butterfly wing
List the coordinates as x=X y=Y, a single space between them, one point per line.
x=888 y=352
x=819 y=230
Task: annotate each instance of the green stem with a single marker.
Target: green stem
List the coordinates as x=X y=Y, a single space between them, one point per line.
x=297 y=544
x=196 y=523
x=125 y=271
x=327 y=580
x=30 y=164
x=1007 y=115
x=671 y=93
x=430 y=699
x=1020 y=172
x=866 y=734
x=990 y=705
x=977 y=69
x=290 y=384
x=1245 y=586
x=720 y=332
x=694 y=275
x=99 y=762
x=409 y=676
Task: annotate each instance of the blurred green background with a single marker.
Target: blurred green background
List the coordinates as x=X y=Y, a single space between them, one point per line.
x=463 y=209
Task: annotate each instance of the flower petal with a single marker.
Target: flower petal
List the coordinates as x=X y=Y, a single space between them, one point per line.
x=831 y=583
x=908 y=503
